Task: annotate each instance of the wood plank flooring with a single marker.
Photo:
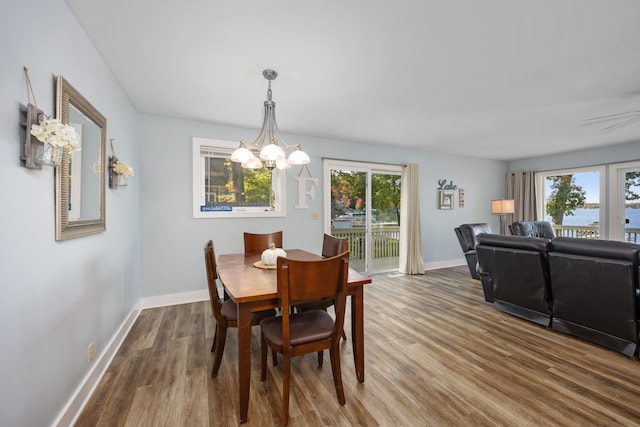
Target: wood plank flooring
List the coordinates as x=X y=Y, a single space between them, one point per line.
x=436 y=354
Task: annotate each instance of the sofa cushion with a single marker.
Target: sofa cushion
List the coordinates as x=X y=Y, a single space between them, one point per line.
x=516 y=242
x=533 y=229
x=609 y=249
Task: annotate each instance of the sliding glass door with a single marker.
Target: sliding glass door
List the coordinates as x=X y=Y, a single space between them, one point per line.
x=362 y=204
x=624 y=193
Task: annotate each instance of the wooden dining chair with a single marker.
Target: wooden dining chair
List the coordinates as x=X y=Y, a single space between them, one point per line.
x=331 y=246
x=257 y=243
x=225 y=312
x=308 y=331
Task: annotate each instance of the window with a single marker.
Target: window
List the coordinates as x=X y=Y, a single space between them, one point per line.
x=573 y=199
x=224 y=189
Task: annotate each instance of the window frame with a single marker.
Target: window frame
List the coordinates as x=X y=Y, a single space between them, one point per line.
x=278 y=184
x=541 y=193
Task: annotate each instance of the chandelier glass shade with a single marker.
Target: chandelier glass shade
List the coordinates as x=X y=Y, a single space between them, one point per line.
x=269 y=148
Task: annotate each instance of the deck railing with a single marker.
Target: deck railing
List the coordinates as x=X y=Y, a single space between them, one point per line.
x=593 y=232
x=386 y=240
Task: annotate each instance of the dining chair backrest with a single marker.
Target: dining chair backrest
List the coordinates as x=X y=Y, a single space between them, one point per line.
x=257 y=243
x=305 y=281
x=212 y=276
x=332 y=246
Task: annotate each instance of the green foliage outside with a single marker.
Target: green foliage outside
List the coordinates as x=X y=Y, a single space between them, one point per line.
x=347 y=187
x=244 y=185
x=257 y=186
x=632 y=180
x=348 y=191
x=565 y=197
x=385 y=193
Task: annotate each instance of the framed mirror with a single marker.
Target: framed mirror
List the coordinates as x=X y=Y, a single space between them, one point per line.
x=80 y=179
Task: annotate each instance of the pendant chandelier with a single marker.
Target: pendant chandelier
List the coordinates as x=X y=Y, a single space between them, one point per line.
x=268 y=150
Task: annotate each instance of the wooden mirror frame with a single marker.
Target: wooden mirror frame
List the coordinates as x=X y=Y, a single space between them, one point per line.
x=67 y=95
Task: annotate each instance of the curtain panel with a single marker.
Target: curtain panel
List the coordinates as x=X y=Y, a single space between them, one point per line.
x=411 y=261
x=521 y=187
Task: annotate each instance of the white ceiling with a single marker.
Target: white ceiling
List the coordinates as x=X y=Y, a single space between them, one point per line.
x=501 y=79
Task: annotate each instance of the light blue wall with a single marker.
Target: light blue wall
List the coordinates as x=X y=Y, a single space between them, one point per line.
x=57 y=297
x=172 y=260
x=598 y=156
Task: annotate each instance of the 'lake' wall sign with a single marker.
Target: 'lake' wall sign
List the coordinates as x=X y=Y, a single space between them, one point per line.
x=443 y=185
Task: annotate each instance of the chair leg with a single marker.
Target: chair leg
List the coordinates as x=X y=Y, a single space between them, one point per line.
x=320 y=358
x=344 y=335
x=286 y=382
x=221 y=337
x=334 y=353
x=215 y=335
x=263 y=358
x=274 y=356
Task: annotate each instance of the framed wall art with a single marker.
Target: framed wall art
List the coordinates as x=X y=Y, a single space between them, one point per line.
x=445 y=200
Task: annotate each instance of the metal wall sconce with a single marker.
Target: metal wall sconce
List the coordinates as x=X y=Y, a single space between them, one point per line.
x=31 y=115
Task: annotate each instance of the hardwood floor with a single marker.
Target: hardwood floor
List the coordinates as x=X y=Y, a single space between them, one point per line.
x=436 y=354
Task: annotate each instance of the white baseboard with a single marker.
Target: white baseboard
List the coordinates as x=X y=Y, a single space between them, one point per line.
x=444 y=264
x=80 y=397
x=174 y=299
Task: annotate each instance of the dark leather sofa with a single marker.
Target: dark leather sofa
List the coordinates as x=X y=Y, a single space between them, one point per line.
x=532 y=229
x=595 y=291
x=586 y=288
x=515 y=269
x=467 y=237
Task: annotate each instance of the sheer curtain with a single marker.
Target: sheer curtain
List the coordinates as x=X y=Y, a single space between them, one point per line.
x=411 y=261
x=521 y=187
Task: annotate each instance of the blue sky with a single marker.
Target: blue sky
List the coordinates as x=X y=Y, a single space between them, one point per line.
x=590 y=182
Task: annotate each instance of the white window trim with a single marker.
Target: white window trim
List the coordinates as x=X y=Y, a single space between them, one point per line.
x=617 y=173
x=278 y=185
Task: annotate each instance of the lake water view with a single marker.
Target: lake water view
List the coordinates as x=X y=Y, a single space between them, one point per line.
x=589 y=216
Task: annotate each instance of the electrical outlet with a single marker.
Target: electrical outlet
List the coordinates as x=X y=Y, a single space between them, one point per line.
x=90 y=352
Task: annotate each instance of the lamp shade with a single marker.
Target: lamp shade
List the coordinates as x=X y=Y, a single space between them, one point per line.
x=299 y=157
x=242 y=154
x=503 y=206
x=272 y=152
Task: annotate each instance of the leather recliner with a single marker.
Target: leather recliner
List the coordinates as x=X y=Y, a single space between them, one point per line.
x=467 y=237
x=533 y=229
x=595 y=291
x=515 y=269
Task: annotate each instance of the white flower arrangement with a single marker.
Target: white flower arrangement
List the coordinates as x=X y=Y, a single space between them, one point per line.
x=123 y=168
x=56 y=133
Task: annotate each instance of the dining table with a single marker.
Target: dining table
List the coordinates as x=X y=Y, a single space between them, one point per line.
x=255 y=289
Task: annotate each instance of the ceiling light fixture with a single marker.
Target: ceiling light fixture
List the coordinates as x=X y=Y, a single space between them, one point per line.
x=269 y=148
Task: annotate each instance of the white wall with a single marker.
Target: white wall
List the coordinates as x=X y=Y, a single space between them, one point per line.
x=57 y=297
x=172 y=241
